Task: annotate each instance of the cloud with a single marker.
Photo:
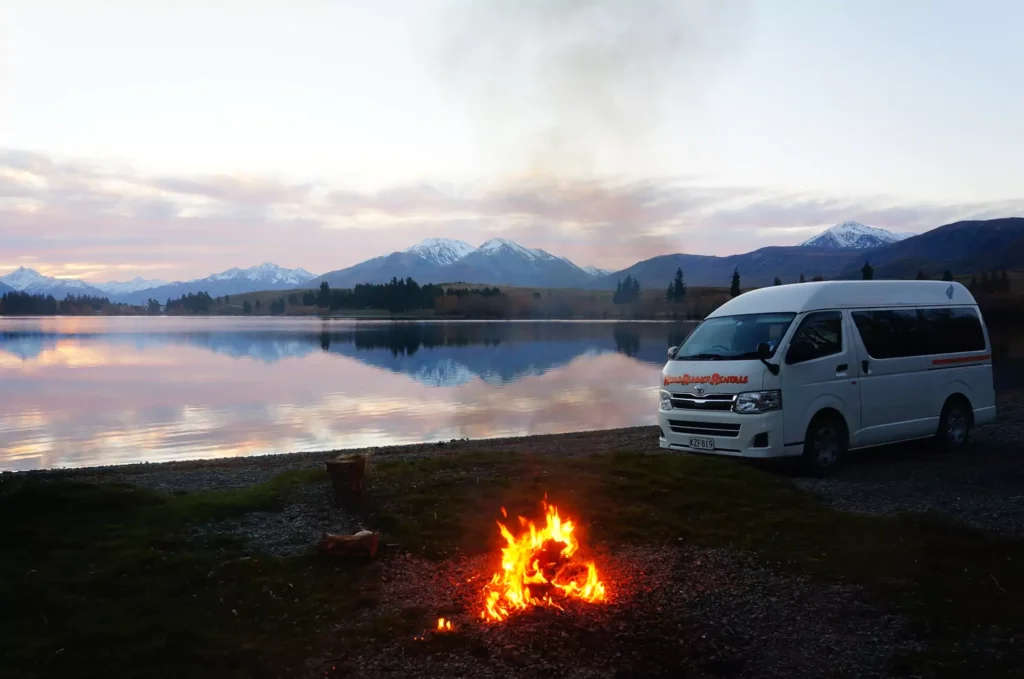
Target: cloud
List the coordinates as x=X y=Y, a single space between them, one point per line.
x=61 y=211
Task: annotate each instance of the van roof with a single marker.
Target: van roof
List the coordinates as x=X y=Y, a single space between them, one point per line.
x=800 y=297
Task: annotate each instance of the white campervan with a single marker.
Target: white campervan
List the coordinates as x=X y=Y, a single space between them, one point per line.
x=816 y=369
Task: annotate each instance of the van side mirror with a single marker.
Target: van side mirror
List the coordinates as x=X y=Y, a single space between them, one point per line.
x=764 y=351
x=672 y=352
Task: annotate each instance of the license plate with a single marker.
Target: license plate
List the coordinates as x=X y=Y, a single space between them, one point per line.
x=701 y=443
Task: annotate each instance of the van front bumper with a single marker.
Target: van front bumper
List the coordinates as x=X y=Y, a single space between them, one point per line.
x=735 y=435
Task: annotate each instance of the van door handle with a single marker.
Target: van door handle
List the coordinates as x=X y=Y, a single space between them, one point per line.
x=864 y=366
x=841 y=368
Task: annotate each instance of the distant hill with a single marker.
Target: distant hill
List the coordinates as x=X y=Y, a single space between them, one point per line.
x=266 y=276
x=963 y=248
x=757 y=268
x=969 y=247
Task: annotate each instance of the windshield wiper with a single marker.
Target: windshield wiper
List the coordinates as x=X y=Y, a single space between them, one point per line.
x=699 y=357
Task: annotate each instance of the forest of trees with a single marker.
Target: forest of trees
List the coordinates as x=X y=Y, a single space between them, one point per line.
x=27 y=304
x=990 y=282
x=677 y=288
x=396 y=296
x=192 y=303
x=626 y=291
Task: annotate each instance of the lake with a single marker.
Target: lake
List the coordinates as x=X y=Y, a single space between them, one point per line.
x=80 y=391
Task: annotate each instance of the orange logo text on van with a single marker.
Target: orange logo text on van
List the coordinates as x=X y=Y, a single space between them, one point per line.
x=705 y=379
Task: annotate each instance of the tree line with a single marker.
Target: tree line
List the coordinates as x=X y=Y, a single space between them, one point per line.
x=28 y=304
x=397 y=295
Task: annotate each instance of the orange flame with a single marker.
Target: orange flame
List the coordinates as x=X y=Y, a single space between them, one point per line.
x=444 y=625
x=538 y=565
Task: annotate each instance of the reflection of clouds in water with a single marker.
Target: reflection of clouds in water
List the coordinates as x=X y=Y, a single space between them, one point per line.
x=125 y=402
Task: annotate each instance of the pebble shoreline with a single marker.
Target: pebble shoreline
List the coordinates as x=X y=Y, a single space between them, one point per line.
x=981 y=487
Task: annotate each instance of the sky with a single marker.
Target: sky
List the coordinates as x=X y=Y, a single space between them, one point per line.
x=172 y=139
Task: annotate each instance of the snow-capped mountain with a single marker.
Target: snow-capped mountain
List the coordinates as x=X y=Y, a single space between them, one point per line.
x=499 y=261
x=265 y=273
x=497 y=247
x=854 y=236
x=31 y=281
x=125 y=287
x=594 y=271
x=234 y=281
x=441 y=251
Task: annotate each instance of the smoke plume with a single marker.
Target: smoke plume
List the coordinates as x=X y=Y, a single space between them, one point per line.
x=573 y=88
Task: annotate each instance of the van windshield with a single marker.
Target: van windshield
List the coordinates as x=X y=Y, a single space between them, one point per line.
x=734 y=337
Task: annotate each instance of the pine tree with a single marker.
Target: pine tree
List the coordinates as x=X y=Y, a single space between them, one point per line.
x=678 y=286
x=246 y=307
x=947 y=276
x=867 y=272
x=734 y=288
x=778 y=281
x=802 y=279
x=921 y=275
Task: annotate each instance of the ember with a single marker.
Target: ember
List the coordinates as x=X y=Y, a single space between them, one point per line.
x=539 y=566
x=444 y=625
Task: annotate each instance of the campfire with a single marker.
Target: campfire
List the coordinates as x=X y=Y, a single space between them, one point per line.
x=540 y=567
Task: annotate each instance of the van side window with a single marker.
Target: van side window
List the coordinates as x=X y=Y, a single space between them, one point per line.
x=820 y=334
x=952 y=331
x=902 y=333
x=878 y=332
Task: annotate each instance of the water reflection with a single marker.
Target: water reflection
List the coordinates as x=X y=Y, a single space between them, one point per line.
x=94 y=391
x=84 y=391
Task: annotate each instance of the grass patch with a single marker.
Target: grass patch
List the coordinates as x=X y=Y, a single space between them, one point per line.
x=106 y=581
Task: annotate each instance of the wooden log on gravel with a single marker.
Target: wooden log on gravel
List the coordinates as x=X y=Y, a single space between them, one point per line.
x=348 y=476
x=363 y=543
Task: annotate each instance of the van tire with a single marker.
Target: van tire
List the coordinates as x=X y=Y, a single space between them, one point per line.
x=954 y=425
x=825 y=445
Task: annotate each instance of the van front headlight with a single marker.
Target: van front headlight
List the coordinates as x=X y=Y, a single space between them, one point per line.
x=750 y=402
x=666 y=400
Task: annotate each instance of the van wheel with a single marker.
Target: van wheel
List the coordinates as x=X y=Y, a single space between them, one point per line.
x=824 y=445
x=954 y=425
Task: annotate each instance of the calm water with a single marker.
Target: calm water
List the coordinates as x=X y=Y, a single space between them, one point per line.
x=87 y=391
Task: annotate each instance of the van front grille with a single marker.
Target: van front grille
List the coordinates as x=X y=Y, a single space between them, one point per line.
x=726 y=429
x=706 y=402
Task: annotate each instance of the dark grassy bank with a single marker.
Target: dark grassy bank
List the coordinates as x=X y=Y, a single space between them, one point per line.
x=115 y=581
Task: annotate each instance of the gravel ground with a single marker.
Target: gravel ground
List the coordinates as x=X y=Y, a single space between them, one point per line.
x=225 y=473
x=671 y=612
x=982 y=487
x=308 y=514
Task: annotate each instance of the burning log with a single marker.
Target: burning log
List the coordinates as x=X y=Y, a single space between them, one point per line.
x=540 y=566
x=348 y=476
x=363 y=543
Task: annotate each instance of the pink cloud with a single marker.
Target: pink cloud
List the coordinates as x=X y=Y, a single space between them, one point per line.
x=73 y=211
